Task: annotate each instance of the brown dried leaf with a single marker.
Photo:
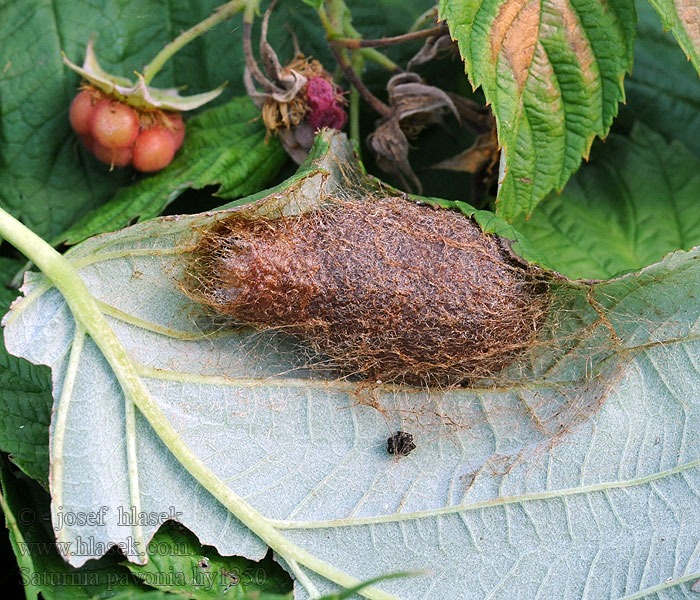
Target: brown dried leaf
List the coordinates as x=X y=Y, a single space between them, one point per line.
x=409 y=96
x=390 y=145
x=483 y=153
x=414 y=105
x=431 y=48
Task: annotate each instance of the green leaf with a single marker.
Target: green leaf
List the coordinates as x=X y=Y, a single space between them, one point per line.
x=371 y=20
x=176 y=556
x=682 y=17
x=15 y=536
x=553 y=71
x=49 y=180
x=663 y=91
x=25 y=400
x=315 y=4
x=201 y=573
x=41 y=566
x=575 y=474
x=632 y=204
x=225 y=146
x=139 y=595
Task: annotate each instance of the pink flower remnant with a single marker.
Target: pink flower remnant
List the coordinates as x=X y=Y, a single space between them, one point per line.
x=325 y=104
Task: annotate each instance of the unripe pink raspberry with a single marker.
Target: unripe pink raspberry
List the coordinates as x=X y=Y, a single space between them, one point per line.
x=325 y=105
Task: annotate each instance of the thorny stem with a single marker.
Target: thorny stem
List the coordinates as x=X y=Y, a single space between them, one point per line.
x=87 y=313
x=356 y=44
x=220 y=14
x=368 y=96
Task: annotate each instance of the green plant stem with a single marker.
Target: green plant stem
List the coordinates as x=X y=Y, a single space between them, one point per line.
x=381 y=59
x=251 y=9
x=87 y=314
x=304 y=580
x=338 y=24
x=429 y=16
x=220 y=14
x=326 y=22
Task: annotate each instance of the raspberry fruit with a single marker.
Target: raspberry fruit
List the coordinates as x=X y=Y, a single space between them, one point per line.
x=81 y=111
x=177 y=128
x=113 y=111
x=116 y=157
x=120 y=135
x=154 y=149
x=114 y=125
x=325 y=104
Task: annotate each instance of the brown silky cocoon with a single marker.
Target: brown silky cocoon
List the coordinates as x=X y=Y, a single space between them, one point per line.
x=384 y=288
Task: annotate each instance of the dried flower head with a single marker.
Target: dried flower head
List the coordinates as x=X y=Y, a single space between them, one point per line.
x=414 y=106
x=296 y=100
x=432 y=48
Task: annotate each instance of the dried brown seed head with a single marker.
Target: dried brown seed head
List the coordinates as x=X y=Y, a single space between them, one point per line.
x=290 y=109
x=414 y=105
x=432 y=47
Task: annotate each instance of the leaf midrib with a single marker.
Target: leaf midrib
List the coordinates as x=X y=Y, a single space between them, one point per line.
x=473 y=506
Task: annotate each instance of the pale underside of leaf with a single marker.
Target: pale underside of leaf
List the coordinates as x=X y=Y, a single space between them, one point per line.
x=552 y=70
x=577 y=477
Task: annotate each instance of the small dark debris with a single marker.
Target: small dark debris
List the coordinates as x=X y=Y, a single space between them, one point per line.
x=232 y=578
x=203 y=563
x=401 y=444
